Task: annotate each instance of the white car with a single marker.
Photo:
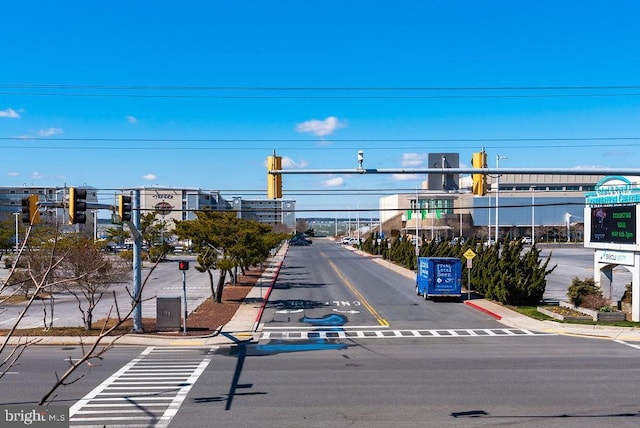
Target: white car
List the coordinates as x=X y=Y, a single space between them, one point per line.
x=347 y=240
x=527 y=240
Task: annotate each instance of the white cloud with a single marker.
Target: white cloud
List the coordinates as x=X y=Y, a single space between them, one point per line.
x=405 y=177
x=10 y=113
x=35 y=175
x=13 y=174
x=321 y=128
x=49 y=132
x=149 y=176
x=413 y=160
x=287 y=162
x=333 y=182
x=132 y=119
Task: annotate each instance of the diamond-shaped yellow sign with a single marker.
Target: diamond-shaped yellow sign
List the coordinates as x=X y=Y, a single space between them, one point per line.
x=469 y=254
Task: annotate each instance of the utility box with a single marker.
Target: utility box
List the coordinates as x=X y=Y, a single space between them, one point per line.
x=168 y=313
x=439 y=277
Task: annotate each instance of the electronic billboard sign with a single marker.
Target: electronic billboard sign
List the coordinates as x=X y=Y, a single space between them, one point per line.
x=612 y=215
x=613 y=224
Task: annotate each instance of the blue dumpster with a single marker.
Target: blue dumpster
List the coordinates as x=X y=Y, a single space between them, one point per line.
x=439 y=277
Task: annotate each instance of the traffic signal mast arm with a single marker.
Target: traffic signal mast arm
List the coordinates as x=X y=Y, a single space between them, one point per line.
x=485 y=171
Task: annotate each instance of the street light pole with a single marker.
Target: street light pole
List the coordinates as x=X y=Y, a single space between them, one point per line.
x=418 y=214
x=533 y=216
x=17 y=236
x=498 y=157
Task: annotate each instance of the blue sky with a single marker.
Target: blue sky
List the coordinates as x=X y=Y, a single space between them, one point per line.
x=198 y=93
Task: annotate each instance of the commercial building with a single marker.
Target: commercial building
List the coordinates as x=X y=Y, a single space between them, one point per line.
x=11 y=204
x=172 y=204
x=547 y=207
x=268 y=211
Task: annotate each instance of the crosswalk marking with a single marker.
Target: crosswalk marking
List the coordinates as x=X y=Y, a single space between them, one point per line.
x=389 y=334
x=147 y=391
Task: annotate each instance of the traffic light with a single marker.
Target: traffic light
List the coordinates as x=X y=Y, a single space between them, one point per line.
x=77 y=206
x=274 y=181
x=479 y=160
x=30 y=213
x=124 y=207
x=182 y=265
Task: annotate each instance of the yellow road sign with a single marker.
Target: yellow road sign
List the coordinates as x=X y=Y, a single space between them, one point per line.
x=469 y=254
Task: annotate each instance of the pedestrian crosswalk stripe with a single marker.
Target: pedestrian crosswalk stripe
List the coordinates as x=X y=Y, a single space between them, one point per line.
x=389 y=334
x=149 y=389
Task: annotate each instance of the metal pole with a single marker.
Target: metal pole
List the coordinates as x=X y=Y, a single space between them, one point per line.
x=498 y=157
x=137 y=266
x=468 y=282
x=497 y=195
x=417 y=208
x=17 y=237
x=184 y=301
x=533 y=216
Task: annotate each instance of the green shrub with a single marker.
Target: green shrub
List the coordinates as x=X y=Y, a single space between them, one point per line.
x=580 y=289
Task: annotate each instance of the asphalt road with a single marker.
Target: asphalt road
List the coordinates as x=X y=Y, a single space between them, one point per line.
x=396 y=360
x=327 y=280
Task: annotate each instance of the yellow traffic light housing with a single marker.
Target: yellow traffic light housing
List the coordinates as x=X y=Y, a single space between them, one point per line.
x=124 y=207
x=77 y=206
x=274 y=181
x=479 y=160
x=30 y=212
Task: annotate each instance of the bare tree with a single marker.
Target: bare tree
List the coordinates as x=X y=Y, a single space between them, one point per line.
x=9 y=357
x=93 y=271
x=95 y=351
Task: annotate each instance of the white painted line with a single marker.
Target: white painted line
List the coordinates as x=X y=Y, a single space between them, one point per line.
x=180 y=397
x=92 y=395
x=343 y=327
x=622 y=342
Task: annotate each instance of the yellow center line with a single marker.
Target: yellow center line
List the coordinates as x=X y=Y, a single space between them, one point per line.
x=366 y=304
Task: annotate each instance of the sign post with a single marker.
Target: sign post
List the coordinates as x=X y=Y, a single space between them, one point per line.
x=184 y=267
x=469 y=255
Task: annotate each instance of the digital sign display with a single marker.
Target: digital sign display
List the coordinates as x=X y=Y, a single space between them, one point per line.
x=615 y=224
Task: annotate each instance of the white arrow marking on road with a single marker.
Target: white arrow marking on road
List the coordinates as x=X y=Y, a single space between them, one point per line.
x=346 y=312
x=289 y=311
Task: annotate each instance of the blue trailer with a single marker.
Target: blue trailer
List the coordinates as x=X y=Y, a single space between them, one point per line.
x=439 y=277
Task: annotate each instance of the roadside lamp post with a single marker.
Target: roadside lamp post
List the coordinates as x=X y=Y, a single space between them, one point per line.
x=498 y=157
x=17 y=214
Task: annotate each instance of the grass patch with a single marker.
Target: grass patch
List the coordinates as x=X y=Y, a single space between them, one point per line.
x=531 y=312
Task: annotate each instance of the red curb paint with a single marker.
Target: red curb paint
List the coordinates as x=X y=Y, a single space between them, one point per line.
x=481 y=309
x=266 y=296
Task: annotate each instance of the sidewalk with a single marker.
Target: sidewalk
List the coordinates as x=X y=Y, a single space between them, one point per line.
x=516 y=320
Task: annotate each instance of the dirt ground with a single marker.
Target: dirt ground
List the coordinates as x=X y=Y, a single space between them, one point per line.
x=210 y=316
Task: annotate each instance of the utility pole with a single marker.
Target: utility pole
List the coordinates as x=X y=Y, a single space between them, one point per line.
x=137 y=263
x=498 y=157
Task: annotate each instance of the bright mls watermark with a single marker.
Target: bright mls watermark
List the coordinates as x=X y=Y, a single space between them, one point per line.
x=34 y=416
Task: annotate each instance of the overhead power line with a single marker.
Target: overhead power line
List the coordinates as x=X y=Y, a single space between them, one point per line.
x=317 y=92
x=316 y=88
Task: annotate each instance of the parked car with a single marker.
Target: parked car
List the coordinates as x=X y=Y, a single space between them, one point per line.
x=527 y=240
x=299 y=240
x=348 y=240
